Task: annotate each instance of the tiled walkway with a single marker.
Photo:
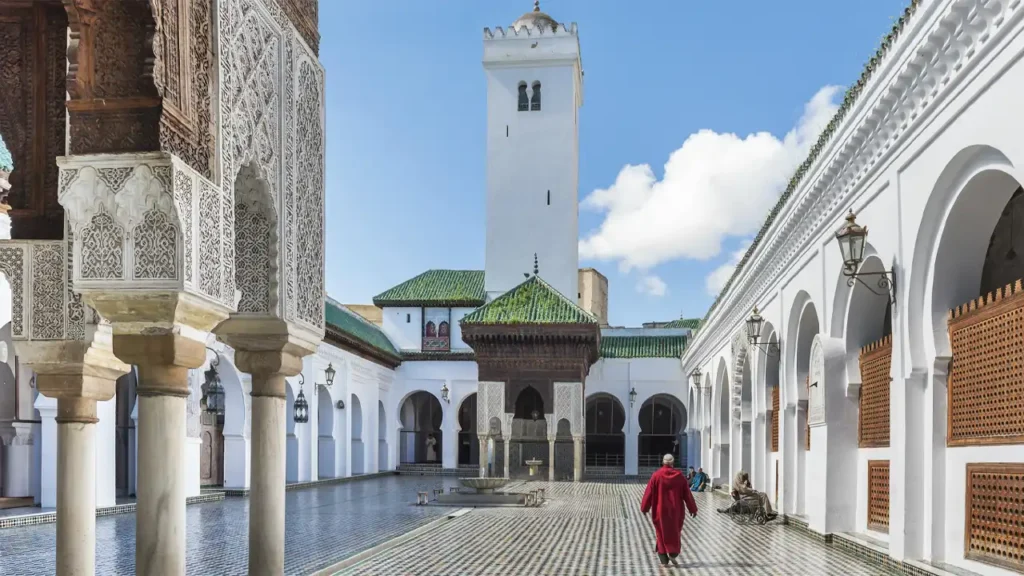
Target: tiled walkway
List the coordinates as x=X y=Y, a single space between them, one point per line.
x=586 y=529
x=596 y=529
x=324 y=525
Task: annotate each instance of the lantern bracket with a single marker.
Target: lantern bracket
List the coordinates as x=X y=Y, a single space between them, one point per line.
x=885 y=283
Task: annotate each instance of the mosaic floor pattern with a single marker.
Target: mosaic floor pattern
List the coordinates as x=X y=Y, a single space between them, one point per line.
x=596 y=529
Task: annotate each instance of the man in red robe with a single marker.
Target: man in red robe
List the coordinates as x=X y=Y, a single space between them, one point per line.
x=666 y=495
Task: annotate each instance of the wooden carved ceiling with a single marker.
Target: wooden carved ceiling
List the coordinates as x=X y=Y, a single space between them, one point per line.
x=32 y=119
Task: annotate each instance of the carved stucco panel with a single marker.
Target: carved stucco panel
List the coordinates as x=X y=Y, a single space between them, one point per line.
x=12 y=265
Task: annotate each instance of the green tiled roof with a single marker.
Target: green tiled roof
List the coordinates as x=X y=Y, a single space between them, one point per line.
x=691 y=323
x=6 y=162
x=532 y=302
x=642 y=346
x=444 y=288
x=347 y=322
x=830 y=130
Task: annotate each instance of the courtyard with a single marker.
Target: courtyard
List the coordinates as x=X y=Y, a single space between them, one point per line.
x=589 y=528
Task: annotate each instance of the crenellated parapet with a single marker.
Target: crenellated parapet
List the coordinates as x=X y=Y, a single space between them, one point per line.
x=524 y=32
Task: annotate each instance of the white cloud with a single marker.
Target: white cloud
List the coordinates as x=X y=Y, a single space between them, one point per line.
x=652 y=285
x=717 y=279
x=715 y=186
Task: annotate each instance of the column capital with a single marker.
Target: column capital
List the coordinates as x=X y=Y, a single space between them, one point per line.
x=163 y=360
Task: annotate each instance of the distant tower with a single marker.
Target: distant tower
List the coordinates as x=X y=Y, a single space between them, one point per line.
x=534 y=91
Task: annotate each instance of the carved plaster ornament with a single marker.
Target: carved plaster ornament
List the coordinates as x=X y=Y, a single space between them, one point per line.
x=142 y=192
x=87 y=196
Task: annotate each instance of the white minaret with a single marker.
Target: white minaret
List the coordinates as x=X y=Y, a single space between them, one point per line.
x=534 y=90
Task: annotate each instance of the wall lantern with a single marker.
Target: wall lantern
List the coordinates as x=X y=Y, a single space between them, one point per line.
x=214 y=389
x=754 y=324
x=329 y=372
x=301 y=407
x=695 y=376
x=444 y=393
x=852 y=237
x=632 y=396
x=340 y=404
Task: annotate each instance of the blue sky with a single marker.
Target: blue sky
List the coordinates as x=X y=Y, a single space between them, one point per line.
x=406 y=119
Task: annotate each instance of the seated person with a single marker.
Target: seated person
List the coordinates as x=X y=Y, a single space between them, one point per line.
x=746 y=497
x=699 y=483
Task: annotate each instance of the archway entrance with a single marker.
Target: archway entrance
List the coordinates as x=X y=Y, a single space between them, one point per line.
x=358 y=458
x=421 y=440
x=798 y=424
x=662 y=423
x=469 y=447
x=382 y=438
x=605 y=442
x=529 y=439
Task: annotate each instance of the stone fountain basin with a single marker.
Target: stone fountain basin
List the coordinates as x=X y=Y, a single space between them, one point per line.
x=483 y=485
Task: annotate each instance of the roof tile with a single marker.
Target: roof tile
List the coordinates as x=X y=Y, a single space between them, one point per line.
x=532 y=302
x=642 y=346
x=442 y=288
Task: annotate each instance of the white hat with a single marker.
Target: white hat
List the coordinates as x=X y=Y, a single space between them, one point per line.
x=668 y=459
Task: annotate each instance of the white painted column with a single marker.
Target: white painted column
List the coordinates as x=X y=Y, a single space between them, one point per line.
x=449 y=438
x=160 y=512
x=577 y=458
x=47 y=408
x=631 y=454
x=106 y=455
x=237 y=451
x=133 y=450
x=757 y=444
x=507 y=443
x=76 y=494
x=551 y=458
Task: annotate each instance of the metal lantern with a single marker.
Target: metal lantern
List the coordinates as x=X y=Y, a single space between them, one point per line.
x=632 y=396
x=754 y=324
x=329 y=373
x=444 y=393
x=301 y=407
x=851 y=237
x=695 y=375
x=214 y=389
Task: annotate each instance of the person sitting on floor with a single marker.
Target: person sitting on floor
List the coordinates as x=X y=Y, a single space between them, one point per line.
x=699 y=483
x=746 y=497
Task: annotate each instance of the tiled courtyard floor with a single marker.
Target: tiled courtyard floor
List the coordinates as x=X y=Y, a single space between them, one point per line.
x=586 y=529
x=324 y=526
x=596 y=529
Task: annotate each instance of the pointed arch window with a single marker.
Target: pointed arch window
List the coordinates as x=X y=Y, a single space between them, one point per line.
x=535 y=99
x=524 y=100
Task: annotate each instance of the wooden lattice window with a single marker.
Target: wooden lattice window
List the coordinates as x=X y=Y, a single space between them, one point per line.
x=873 y=417
x=775 y=418
x=986 y=379
x=878 y=495
x=993 y=531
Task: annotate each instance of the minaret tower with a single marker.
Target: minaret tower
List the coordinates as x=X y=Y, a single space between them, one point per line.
x=534 y=91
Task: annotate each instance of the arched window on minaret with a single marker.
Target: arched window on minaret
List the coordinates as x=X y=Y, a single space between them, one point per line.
x=524 y=100
x=535 y=99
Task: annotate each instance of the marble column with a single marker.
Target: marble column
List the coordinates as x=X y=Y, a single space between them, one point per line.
x=77 y=374
x=163 y=362
x=507 y=443
x=551 y=458
x=483 y=455
x=577 y=458
x=268 y=368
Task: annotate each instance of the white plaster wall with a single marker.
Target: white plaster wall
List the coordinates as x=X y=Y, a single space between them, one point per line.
x=456 y=342
x=528 y=154
x=904 y=199
x=404 y=326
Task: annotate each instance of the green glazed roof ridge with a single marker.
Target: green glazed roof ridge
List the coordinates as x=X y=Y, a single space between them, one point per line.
x=849 y=99
x=6 y=161
x=372 y=334
x=437 y=286
x=577 y=315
